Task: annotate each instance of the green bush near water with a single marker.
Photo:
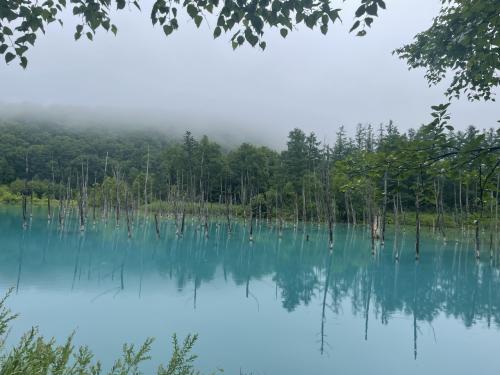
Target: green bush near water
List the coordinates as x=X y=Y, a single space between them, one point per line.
x=34 y=354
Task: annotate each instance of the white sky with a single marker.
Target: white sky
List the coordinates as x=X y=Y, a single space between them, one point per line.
x=189 y=80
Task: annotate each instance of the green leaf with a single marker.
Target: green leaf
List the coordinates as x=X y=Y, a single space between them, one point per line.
x=250 y=37
x=9 y=56
x=360 y=11
x=217 y=32
x=167 y=29
x=262 y=45
x=192 y=11
x=114 y=30
x=3 y=48
x=7 y=31
x=89 y=35
x=284 y=32
x=20 y=50
x=372 y=9
x=355 y=26
x=324 y=29
x=198 y=20
x=221 y=21
x=24 y=62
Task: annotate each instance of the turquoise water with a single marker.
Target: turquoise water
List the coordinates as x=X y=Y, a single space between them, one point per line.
x=277 y=306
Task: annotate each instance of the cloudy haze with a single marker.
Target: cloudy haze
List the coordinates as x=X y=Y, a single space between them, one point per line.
x=189 y=80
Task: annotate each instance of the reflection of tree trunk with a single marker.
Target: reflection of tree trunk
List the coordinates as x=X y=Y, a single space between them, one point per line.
x=325 y=292
x=414 y=335
x=122 y=267
x=195 y=291
x=415 y=327
x=21 y=259
x=141 y=274
x=77 y=260
x=367 y=309
x=157 y=225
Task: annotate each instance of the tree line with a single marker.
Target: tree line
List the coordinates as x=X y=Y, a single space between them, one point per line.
x=379 y=174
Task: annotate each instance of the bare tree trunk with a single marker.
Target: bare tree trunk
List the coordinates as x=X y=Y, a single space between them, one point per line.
x=477 y=242
x=396 y=225
x=460 y=200
x=353 y=211
x=129 y=231
x=304 y=213
x=250 y=236
x=384 y=209
x=347 y=213
x=105 y=204
x=80 y=203
x=146 y=187
x=417 y=225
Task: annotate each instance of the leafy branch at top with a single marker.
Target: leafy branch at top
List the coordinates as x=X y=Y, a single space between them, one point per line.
x=21 y=21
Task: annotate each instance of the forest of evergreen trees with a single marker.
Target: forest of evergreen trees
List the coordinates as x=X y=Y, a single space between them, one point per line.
x=378 y=172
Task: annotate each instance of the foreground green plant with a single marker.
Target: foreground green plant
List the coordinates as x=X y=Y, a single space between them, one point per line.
x=36 y=355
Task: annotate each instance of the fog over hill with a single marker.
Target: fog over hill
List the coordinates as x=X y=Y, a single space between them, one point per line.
x=224 y=132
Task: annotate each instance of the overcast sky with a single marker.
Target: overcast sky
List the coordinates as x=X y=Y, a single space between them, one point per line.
x=188 y=80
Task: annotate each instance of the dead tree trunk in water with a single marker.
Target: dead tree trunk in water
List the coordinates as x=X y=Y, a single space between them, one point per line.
x=250 y=237
x=304 y=213
x=129 y=231
x=61 y=205
x=94 y=203
x=49 y=208
x=117 y=192
x=25 y=192
x=146 y=188
x=396 y=225
x=104 y=195
x=327 y=200
x=384 y=208
x=183 y=220
x=417 y=225
x=227 y=214
x=79 y=182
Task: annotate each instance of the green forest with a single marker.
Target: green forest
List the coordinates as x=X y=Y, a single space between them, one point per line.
x=379 y=173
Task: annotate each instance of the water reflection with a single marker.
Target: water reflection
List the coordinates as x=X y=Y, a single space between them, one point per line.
x=103 y=260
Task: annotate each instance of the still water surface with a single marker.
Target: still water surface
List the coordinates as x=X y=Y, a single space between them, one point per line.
x=277 y=306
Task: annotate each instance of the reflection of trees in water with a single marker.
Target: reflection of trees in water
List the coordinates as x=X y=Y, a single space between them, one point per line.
x=446 y=279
